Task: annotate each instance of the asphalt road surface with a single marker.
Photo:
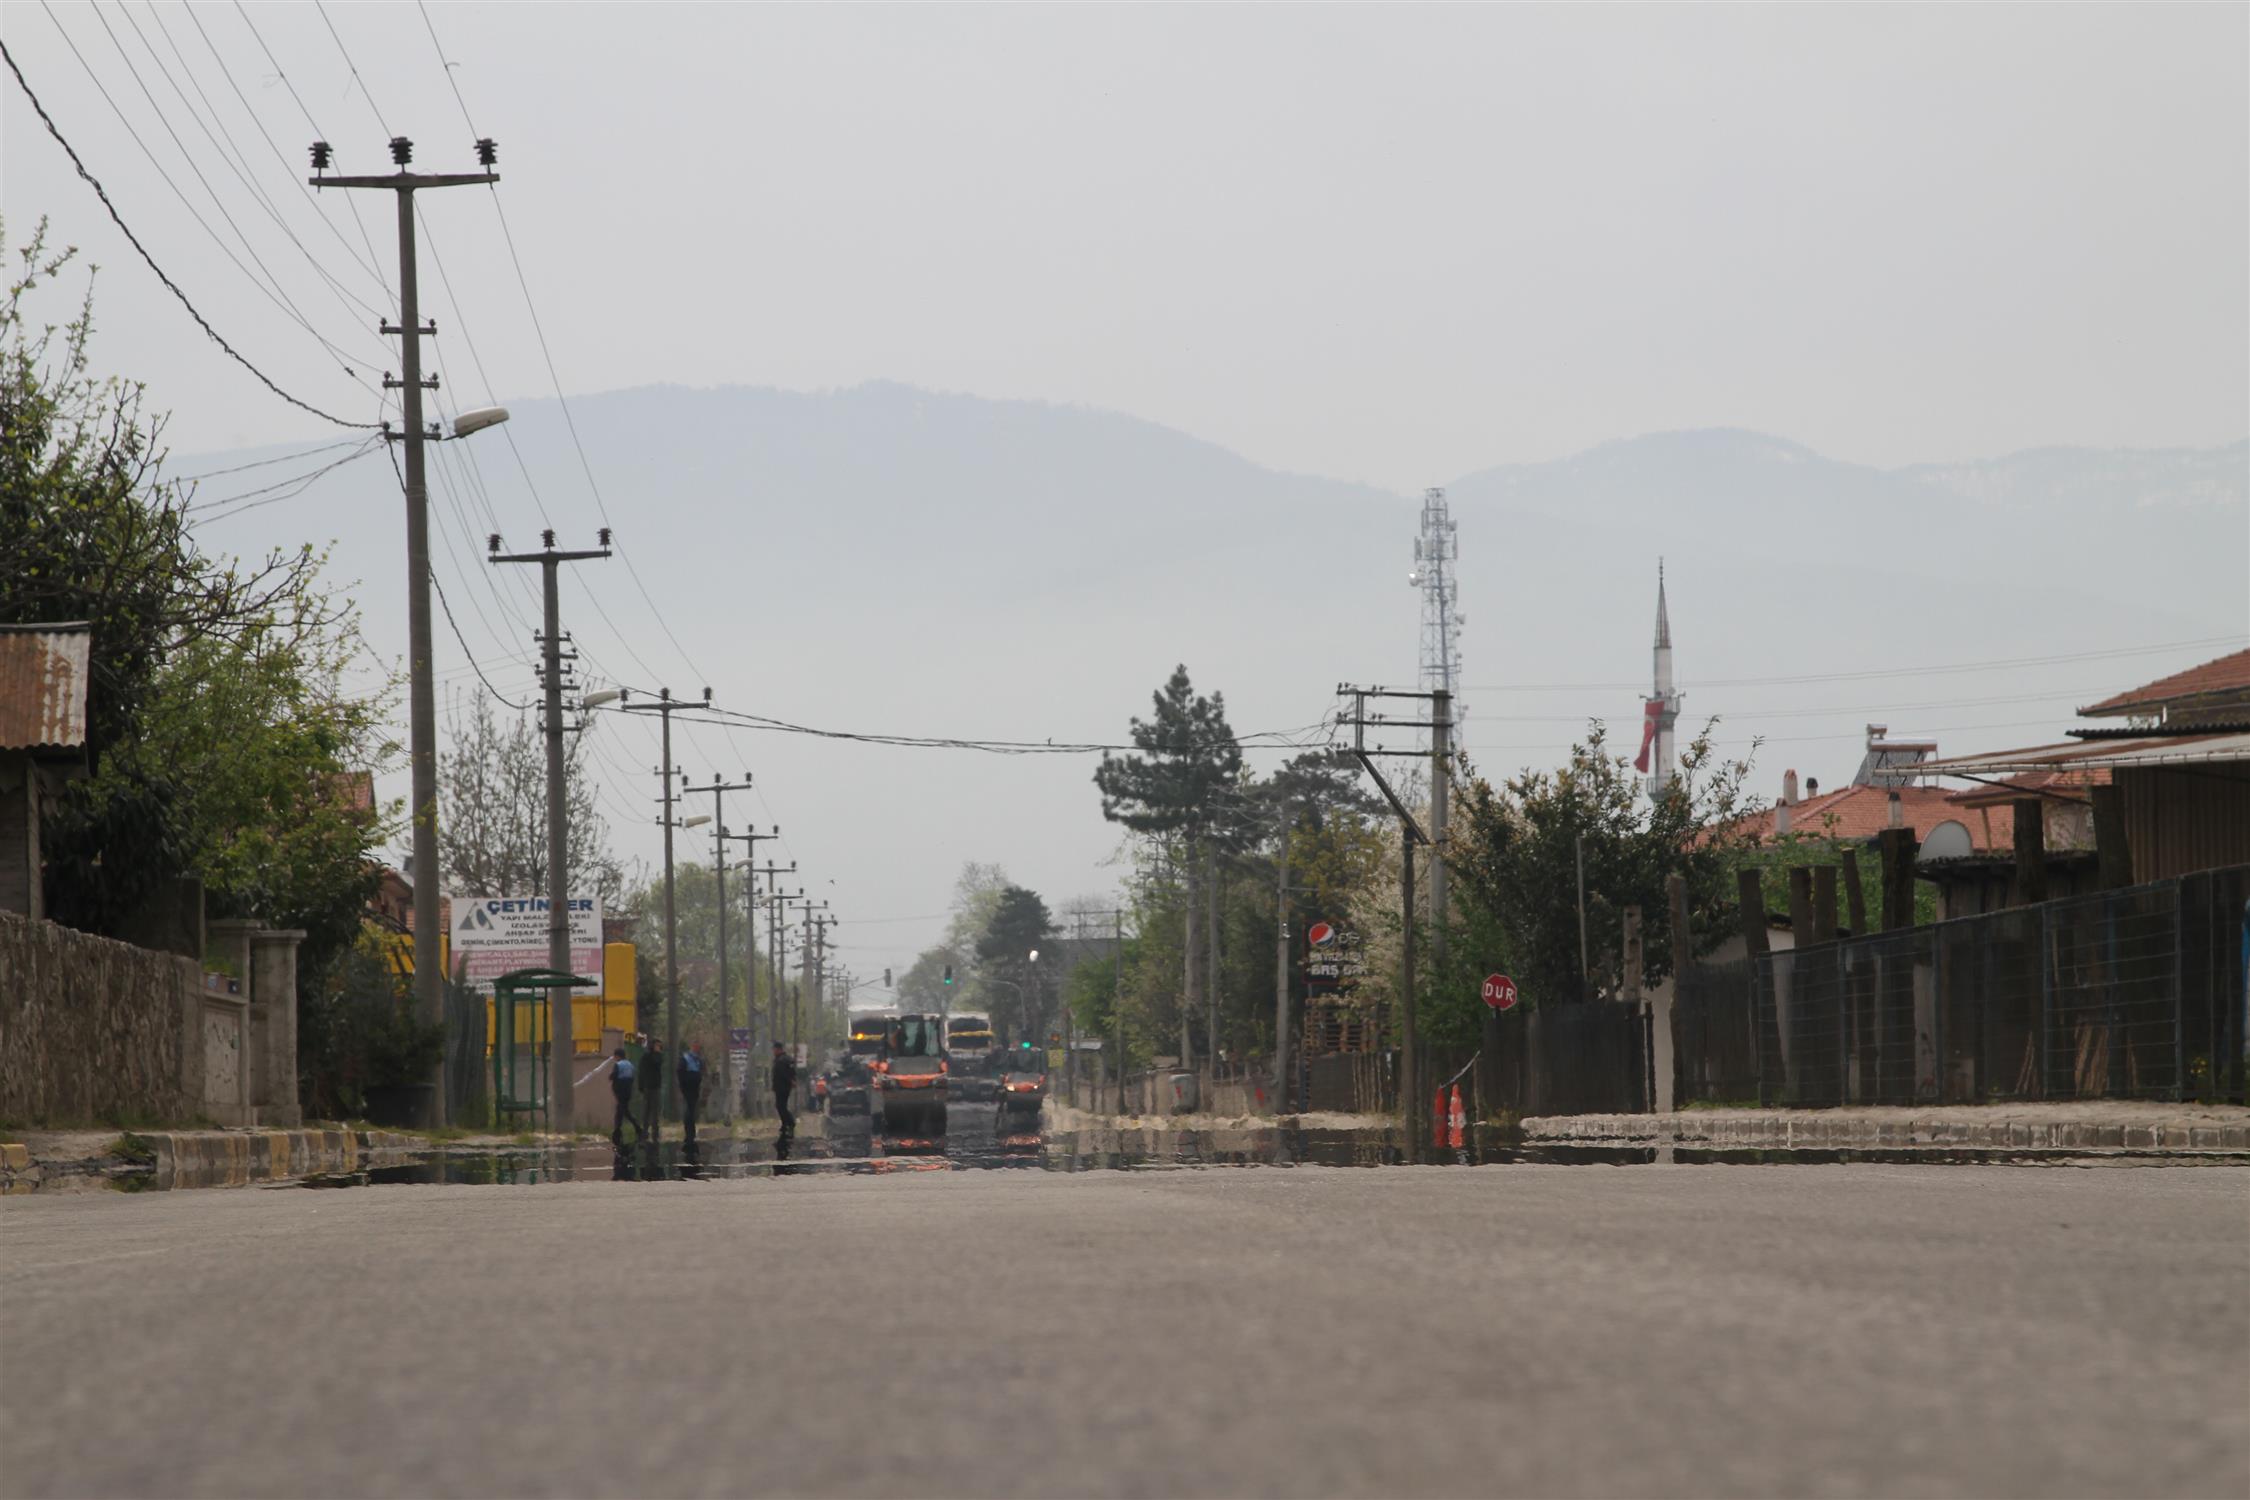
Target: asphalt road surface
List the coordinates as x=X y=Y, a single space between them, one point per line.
x=1663 y=1330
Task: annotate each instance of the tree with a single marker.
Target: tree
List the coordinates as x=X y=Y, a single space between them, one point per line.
x=1515 y=860
x=1020 y=925
x=1179 y=789
x=492 y=791
x=94 y=532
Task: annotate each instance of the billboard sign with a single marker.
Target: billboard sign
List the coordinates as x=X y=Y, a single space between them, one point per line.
x=495 y=935
x=1335 y=960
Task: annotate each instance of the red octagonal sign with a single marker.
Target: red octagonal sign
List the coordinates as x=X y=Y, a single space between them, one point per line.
x=1499 y=992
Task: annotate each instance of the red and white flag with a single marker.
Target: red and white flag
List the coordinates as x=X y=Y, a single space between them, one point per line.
x=1651 y=710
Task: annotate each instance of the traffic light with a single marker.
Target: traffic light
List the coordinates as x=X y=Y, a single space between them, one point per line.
x=949 y=973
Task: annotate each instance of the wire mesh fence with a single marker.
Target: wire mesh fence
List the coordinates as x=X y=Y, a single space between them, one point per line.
x=1571 y=1059
x=2135 y=993
x=1714 y=1054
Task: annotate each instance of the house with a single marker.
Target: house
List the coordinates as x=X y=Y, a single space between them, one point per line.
x=1893 y=788
x=43 y=678
x=2165 y=794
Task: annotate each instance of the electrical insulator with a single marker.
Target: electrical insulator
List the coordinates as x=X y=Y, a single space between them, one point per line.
x=321 y=155
x=548 y=537
x=605 y=536
x=492 y=542
x=488 y=152
x=402 y=150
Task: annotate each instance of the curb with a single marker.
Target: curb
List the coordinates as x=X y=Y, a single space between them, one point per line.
x=1813 y=1132
x=234 y=1157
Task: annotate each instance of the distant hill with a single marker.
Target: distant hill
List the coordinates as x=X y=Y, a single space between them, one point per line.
x=884 y=558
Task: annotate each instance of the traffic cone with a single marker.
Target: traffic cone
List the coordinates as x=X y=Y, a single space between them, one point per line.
x=1457 y=1120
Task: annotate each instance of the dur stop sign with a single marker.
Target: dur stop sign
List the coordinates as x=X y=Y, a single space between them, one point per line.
x=1499 y=992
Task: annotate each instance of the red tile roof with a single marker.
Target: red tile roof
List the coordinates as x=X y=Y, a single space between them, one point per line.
x=43 y=672
x=2225 y=679
x=1861 y=812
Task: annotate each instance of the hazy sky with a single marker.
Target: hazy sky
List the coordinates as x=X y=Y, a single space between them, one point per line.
x=1382 y=244
x=1389 y=245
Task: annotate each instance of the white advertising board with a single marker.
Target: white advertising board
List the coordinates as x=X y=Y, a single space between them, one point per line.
x=493 y=935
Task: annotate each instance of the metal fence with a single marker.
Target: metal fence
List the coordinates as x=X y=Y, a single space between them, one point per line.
x=1584 y=1059
x=1714 y=1054
x=2134 y=993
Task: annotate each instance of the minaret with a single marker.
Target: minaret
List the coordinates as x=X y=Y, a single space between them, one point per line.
x=1662 y=710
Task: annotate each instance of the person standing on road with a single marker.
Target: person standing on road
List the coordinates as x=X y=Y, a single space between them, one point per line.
x=621 y=1090
x=784 y=1088
x=652 y=1088
x=691 y=1086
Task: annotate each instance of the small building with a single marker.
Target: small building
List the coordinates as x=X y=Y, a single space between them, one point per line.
x=2169 y=789
x=43 y=679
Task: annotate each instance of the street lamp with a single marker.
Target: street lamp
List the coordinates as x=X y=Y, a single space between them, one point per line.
x=478 y=420
x=596 y=700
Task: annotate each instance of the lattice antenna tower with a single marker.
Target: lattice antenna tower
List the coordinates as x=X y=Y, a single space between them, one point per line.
x=1435 y=551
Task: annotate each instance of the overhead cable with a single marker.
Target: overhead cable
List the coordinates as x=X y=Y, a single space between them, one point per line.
x=172 y=286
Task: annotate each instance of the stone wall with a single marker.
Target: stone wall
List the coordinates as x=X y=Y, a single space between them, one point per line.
x=93 y=1029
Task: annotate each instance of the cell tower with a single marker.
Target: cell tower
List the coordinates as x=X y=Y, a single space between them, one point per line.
x=1434 y=553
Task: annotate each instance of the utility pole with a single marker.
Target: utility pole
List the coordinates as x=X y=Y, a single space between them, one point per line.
x=1441 y=776
x=1281 y=970
x=562 y=1059
x=816 y=965
x=718 y=790
x=429 y=966
x=664 y=707
x=1410 y=834
x=750 y=968
x=777 y=931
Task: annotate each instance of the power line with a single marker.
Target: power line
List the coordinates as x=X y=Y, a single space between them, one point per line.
x=227 y=506
x=374 y=261
x=1813 y=677
x=2065 y=696
x=1263 y=740
x=172 y=286
x=277 y=294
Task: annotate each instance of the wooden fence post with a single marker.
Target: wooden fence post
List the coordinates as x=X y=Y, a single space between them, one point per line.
x=1855 y=895
x=1824 y=903
x=1801 y=917
x=2110 y=845
x=2031 y=851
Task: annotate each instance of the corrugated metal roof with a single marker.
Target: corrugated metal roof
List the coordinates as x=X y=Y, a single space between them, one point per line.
x=43 y=671
x=2156 y=750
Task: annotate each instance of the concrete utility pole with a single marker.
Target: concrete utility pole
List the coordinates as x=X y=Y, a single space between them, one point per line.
x=777 y=930
x=750 y=967
x=429 y=966
x=1410 y=834
x=561 y=1055
x=773 y=902
x=718 y=791
x=664 y=707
